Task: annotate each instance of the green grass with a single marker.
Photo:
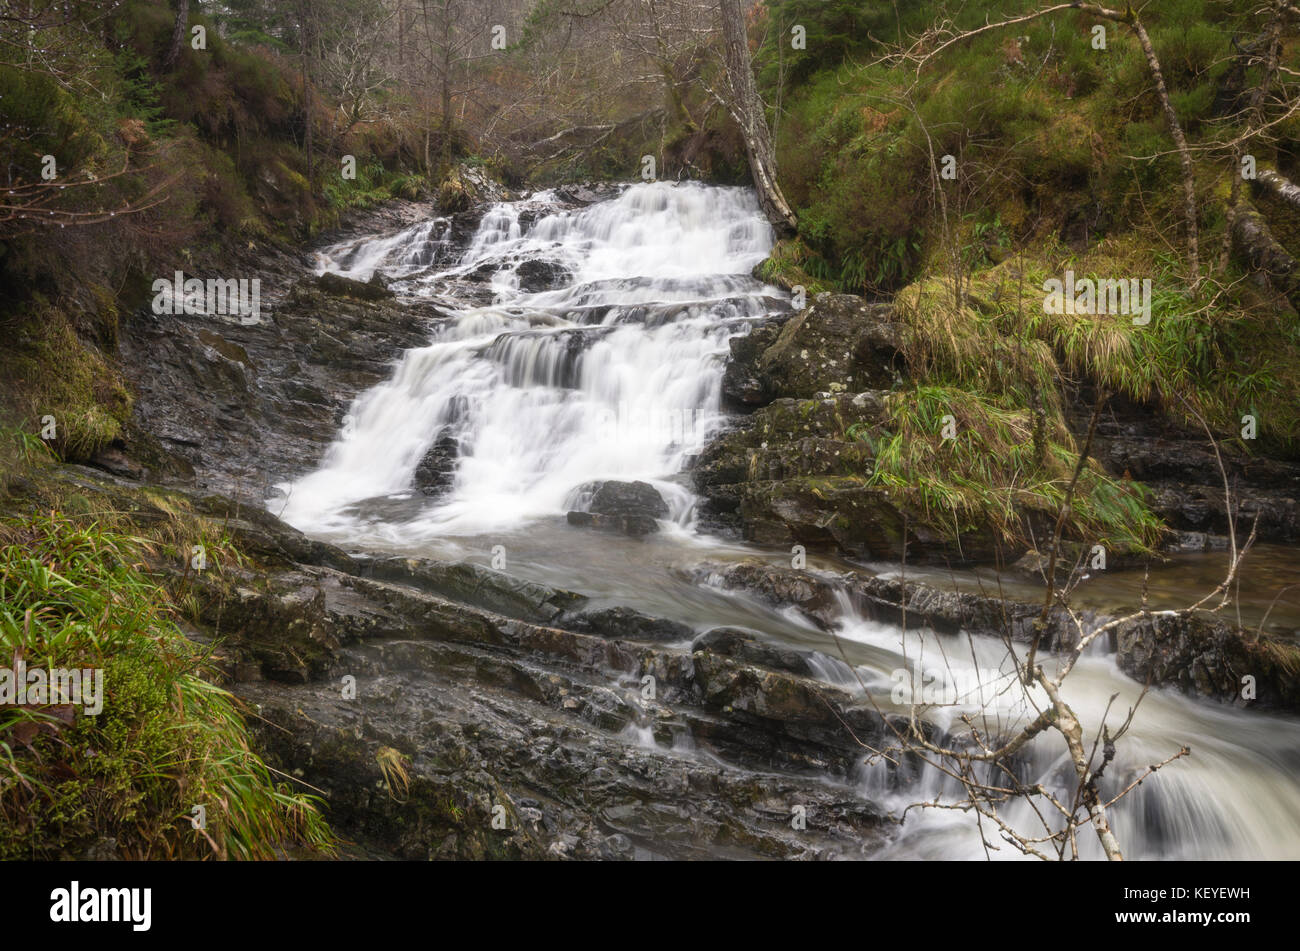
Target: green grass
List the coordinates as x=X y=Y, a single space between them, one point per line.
x=1219 y=355
x=75 y=592
x=1001 y=468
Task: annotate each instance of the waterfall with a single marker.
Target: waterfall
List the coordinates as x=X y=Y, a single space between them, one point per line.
x=584 y=344
x=616 y=374
x=1234 y=798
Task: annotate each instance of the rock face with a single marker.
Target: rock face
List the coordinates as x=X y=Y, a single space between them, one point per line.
x=542 y=737
x=244 y=406
x=630 y=508
x=1182 y=471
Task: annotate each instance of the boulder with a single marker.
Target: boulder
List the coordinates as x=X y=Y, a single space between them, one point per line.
x=630 y=508
x=437 y=470
x=535 y=275
x=339 y=286
x=839 y=343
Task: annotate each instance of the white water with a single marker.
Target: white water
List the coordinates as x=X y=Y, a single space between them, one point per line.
x=1235 y=797
x=615 y=376
x=659 y=283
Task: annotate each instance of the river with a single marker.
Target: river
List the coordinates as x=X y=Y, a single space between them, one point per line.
x=616 y=374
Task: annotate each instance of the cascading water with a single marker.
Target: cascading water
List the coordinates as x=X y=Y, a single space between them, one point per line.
x=616 y=374
x=1235 y=797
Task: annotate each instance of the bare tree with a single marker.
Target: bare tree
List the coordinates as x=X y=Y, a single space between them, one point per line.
x=980 y=751
x=356 y=64
x=178 y=33
x=748 y=111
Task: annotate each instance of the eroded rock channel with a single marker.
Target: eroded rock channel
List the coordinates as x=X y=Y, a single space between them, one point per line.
x=544 y=463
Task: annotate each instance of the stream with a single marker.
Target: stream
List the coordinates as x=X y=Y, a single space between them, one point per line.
x=614 y=372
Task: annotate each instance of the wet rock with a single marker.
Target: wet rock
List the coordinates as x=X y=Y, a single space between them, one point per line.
x=477 y=585
x=1202 y=656
x=275 y=625
x=628 y=498
x=630 y=508
x=621 y=622
x=1209 y=658
x=1180 y=467
x=536 y=275
x=798 y=472
x=240 y=407
x=751 y=648
x=261 y=534
x=838 y=343
x=1275 y=515
x=743 y=385
x=483 y=272
x=634 y=525
x=532 y=686
x=587 y=193
x=437 y=470
x=904 y=603
x=374 y=289
x=1190 y=542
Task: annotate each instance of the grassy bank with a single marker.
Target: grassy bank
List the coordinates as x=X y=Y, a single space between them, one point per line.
x=1062 y=160
x=77 y=591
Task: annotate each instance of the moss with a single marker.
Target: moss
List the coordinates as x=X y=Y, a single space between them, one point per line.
x=49 y=371
x=1032 y=138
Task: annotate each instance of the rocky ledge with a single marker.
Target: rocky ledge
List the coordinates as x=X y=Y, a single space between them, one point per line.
x=796 y=466
x=1201 y=654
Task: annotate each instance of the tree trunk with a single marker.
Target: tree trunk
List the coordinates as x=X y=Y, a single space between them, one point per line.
x=306 y=39
x=1254 y=112
x=178 y=33
x=747 y=109
x=1184 y=156
x=1262 y=252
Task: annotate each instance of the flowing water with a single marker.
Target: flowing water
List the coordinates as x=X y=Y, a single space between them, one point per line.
x=616 y=374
